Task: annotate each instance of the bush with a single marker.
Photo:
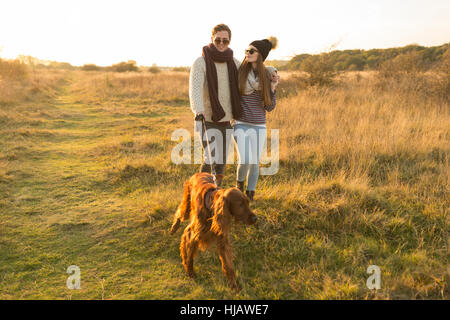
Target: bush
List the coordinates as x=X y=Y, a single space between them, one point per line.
x=60 y=65
x=372 y=59
x=445 y=63
x=13 y=69
x=444 y=70
x=320 y=69
x=291 y=85
x=355 y=63
x=410 y=62
x=154 y=69
x=91 y=67
x=125 y=66
x=181 y=69
x=407 y=64
x=407 y=74
x=295 y=62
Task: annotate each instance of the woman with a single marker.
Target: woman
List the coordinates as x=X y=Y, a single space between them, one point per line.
x=257 y=85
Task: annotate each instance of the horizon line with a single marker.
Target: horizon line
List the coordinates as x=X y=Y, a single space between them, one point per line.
x=287 y=58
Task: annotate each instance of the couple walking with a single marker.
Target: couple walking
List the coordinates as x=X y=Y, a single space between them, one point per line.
x=231 y=95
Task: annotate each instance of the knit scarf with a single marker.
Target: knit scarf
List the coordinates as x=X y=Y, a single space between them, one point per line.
x=211 y=55
x=252 y=83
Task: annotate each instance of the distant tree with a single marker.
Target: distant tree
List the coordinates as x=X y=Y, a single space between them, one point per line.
x=279 y=64
x=356 y=62
x=13 y=69
x=445 y=63
x=90 y=67
x=295 y=62
x=410 y=63
x=29 y=60
x=128 y=66
x=60 y=65
x=154 y=69
x=339 y=66
x=320 y=69
x=373 y=61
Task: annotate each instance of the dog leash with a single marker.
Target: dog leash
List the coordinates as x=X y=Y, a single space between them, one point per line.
x=201 y=118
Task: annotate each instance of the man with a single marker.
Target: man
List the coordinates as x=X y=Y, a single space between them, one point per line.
x=214 y=94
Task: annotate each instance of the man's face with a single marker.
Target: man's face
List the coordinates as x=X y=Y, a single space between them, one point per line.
x=221 y=40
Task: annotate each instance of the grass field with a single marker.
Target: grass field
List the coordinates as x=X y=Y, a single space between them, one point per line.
x=86 y=179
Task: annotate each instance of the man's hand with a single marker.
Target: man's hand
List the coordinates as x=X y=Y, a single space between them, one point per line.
x=199 y=116
x=275 y=77
x=274 y=81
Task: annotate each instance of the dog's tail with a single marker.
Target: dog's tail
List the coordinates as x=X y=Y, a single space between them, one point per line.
x=184 y=209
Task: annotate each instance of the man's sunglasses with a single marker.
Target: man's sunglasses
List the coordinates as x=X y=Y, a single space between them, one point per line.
x=224 y=41
x=251 y=51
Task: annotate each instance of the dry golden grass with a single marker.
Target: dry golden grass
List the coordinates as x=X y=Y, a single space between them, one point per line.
x=165 y=87
x=86 y=179
x=348 y=126
x=19 y=83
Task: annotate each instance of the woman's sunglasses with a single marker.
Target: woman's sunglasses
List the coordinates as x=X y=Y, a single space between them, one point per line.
x=224 y=41
x=251 y=51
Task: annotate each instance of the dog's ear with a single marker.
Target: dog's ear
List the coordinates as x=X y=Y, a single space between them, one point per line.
x=221 y=220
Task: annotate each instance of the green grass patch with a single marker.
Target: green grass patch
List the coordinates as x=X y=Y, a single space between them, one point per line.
x=92 y=185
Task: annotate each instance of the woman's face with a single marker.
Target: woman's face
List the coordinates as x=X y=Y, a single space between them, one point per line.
x=251 y=54
x=221 y=40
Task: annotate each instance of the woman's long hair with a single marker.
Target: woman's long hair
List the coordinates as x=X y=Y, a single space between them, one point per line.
x=264 y=80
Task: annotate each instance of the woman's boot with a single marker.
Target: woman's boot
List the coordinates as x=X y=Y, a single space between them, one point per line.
x=219 y=178
x=250 y=194
x=240 y=185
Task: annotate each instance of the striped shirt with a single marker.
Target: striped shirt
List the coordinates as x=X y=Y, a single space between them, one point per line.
x=254 y=111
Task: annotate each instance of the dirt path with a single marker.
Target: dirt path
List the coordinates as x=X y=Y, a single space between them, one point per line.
x=61 y=210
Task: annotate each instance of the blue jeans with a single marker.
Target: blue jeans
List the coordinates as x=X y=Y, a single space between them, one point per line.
x=250 y=143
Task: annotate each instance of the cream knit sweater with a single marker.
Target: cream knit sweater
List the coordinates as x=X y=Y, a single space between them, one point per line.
x=198 y=89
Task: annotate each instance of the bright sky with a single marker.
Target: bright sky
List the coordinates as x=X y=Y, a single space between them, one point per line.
x=172 y=32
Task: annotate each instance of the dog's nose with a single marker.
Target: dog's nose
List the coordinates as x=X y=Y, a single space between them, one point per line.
x=254 y=218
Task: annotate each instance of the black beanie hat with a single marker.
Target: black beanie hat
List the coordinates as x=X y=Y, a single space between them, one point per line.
x=264 y=46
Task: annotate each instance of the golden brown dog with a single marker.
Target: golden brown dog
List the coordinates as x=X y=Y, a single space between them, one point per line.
x=210 y=211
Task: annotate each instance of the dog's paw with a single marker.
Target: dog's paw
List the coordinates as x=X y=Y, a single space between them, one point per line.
x=174 y=227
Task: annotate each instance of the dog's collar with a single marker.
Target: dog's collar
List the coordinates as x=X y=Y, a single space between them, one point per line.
x=208 y=202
